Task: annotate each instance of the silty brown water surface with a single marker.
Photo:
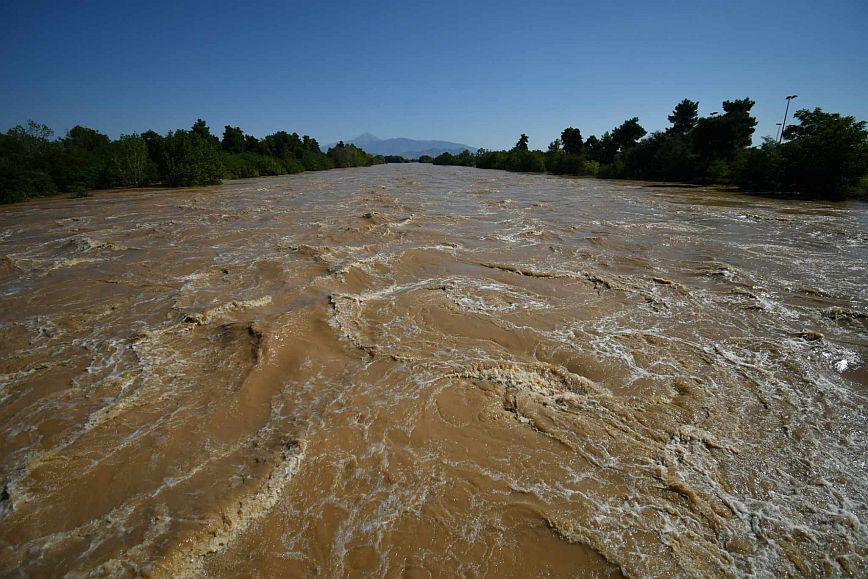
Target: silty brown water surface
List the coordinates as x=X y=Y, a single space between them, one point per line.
x=418 y=371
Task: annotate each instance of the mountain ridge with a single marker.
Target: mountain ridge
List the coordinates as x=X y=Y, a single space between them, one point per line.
x=404 y=147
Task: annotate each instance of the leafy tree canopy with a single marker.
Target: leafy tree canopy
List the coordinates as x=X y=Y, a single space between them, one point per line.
x=233 y=140
x=628 y=133
x=684 y=117
x=572 y=141
x=827 y=153
x=86 y=139
x=201 y=129
x=721 y=137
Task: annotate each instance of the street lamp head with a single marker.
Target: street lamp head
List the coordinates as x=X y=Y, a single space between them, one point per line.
x=792 y=96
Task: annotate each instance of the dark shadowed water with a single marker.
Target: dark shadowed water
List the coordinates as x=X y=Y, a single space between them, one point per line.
x=424 y=371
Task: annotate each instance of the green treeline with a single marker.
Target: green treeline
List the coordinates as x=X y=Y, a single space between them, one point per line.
x=351 y=156
x=823 y=155
x=34 y=164
x=465 y=159
x=820 y=155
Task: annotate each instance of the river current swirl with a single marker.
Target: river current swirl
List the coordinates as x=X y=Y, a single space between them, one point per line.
x=421 y=371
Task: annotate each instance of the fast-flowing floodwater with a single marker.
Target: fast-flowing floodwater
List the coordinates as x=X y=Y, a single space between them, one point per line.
x=424 y=371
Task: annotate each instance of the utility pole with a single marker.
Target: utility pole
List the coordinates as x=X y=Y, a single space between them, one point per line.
x=784 y=124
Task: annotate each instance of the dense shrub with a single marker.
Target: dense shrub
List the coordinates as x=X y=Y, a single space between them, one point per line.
x=32 y=164
x=343 y=155
x=825 y=155
x=190 y=159
x=463 y=159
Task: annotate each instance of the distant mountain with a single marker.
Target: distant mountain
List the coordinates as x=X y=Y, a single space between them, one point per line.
x=364 y=140
x=409 y=148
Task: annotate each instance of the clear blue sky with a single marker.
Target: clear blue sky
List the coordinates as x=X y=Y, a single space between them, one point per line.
x=474 y=72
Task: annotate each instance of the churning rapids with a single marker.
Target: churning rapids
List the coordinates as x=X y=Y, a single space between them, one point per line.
x=422 y=371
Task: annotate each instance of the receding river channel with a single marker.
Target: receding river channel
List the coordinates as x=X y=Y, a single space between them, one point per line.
x=420 y=371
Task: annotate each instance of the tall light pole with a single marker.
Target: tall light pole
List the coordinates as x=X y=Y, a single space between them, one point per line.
x=784 y=124
x=778 y=132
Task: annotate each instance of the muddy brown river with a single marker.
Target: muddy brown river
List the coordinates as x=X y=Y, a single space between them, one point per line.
x=418 y=371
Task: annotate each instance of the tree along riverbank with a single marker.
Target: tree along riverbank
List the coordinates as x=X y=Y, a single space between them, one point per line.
x=34 y=164
x=821 y=156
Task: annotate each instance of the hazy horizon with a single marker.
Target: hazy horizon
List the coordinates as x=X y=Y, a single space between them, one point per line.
x=479 y=74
